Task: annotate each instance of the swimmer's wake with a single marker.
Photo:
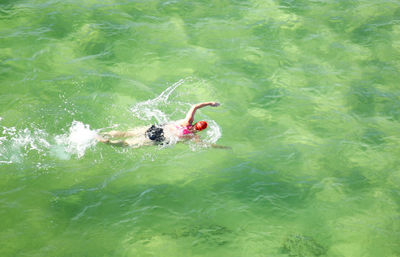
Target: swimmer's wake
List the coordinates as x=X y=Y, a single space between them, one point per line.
x=17 y=144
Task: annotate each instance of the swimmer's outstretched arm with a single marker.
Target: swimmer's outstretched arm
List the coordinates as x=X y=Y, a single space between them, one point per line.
x=220 y=146
x=190 y=115
x=198 y=140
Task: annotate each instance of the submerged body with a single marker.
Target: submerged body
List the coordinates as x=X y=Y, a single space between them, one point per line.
x=159 y=134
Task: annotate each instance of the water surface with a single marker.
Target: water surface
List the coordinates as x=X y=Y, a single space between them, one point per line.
x=309 y=104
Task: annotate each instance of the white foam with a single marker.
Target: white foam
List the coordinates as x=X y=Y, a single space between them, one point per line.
x=213 y=132
x=150 y=109
x=17 y=143
x=76 y=141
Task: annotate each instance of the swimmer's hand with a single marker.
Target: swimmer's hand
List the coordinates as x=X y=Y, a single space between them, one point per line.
x=214 y=104
x=220 y=146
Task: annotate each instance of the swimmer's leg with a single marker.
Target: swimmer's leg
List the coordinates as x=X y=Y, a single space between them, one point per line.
x=112 y=142
x=115 y=133
x=102 y=139
x=118 y=142
x=136 y=142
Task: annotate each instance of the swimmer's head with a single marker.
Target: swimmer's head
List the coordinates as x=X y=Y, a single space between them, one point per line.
x=200 y=125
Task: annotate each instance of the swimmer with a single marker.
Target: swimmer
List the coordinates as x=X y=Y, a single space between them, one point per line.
x=160 y=134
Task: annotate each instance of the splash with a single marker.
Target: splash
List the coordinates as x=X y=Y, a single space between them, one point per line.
x=150 y=109
x=211 y=137
x=16 y=144
x=213 y=133
x=78 y=139
x=19 y=145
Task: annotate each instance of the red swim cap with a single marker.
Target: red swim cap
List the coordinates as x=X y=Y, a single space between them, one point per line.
x=200 y=125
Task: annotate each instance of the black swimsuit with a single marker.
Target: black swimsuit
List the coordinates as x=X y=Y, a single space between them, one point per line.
x=155 y=133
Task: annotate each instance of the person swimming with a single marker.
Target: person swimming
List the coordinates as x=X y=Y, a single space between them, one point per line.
x=160 y=134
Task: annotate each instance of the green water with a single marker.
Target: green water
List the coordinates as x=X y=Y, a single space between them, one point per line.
x=310 y=104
